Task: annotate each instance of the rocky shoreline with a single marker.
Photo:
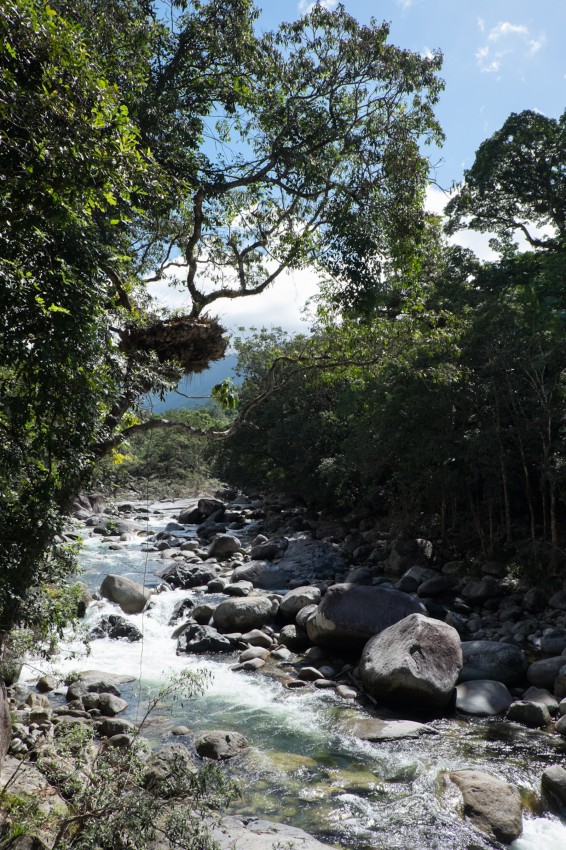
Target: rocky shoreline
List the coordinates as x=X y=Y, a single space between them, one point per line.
x=339 y=606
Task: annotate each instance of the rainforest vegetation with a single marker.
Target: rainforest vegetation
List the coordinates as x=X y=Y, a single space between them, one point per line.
x=134 y=145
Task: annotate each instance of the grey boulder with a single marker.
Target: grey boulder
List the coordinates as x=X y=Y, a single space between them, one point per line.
x=492 y=806
x=131 y=596
x=553 y=787
x=488 y=659
x=221 y=746
x=245 y=833
x=483 y=697
x=349 y=615
x=297 y=599
x=242 y=614
x=543 y=673
x=415 y=661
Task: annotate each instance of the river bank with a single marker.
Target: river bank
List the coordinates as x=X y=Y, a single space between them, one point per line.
x=306 y=765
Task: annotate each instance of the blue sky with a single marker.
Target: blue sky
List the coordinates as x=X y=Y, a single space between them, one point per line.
x=500 y=56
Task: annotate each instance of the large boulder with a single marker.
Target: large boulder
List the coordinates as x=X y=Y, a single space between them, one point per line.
x=224 y=545
x=543 y=673
x=304 y=559
x=96 y=681
x=115 y=627
x=240 y=614
x=265 y=575
x=349 y=615
x=489 y=659
x=415 y=661
x=131 y=596
x=493 y=806
x=184 y=576
x=553 y=787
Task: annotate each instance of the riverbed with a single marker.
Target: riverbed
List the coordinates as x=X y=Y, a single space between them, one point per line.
x=304 y=767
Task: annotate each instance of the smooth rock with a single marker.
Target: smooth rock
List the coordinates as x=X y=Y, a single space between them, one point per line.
x=560 y=682
x=535 y=715
x=373 y=729
x=543 y=673
x=254 y=652
x=251 y=612
x=131 y=596
x=220 y=746
x=543 y=696
x=415 y=661
x=222 y=545
x=349 y=615
x=483 y=697
x=493 y=806
x=486 y=659
x=258 y=638
x=297 y=599
x=294 y=638
x=246 y=833
x=553 y=788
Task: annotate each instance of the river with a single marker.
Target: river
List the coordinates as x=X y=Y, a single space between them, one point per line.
x=304 y=768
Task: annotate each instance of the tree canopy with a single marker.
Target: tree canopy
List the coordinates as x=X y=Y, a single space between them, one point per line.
x=133 y=145
x=517 y=184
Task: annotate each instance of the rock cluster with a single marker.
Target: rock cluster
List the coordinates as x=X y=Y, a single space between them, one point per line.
x=382 y=619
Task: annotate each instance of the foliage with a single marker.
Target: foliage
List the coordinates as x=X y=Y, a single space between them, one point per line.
x=447 y=401
x=112 y=800
x=164 y=463
x=68 y=156
x=132 y=145
x=517 y=184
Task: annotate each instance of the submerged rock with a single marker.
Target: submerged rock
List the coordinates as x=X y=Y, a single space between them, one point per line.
x=248 y=833
x=493 y=806
x=221 y=745
x=373 y=729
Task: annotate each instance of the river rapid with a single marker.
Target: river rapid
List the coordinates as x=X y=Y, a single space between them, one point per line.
x=303 y=767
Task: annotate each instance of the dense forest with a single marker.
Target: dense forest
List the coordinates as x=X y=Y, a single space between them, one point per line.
x=431 y=387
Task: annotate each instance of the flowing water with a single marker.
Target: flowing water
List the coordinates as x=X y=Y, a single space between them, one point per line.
x=304 y=768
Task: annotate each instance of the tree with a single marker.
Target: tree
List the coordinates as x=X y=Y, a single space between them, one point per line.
x=517 y=184
x=128 y=144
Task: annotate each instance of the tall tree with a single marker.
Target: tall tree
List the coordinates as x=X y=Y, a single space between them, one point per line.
x=517 y=184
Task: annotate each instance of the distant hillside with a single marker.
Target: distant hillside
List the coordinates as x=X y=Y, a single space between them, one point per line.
x=196 y=385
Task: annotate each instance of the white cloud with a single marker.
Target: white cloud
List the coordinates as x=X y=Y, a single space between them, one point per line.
x=506 y=39
x=405 y=4
x=306 y=6
x=281 y=305
x=504 y=28
x=427 y=53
